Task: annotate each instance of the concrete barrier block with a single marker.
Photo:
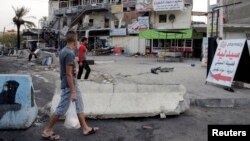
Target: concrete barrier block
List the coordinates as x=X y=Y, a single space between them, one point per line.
x=125 y=88
x=131 y=100
x=92 y=87
x=18 y=108
x=43 y=54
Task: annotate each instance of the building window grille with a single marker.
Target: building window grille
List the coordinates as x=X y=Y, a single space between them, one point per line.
x=162 y=18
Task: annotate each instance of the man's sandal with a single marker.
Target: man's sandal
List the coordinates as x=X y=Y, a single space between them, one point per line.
x=92 y=131
x=51 y=137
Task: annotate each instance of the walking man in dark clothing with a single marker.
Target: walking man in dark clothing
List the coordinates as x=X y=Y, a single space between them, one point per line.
x=82 y=51
x=32 y=50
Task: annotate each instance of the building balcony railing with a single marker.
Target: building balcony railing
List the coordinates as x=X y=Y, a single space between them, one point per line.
x=78 y=9
x=129 y=3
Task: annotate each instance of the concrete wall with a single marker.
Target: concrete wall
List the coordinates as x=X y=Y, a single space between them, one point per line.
x=129 y=100
x=131 y=44
x=237 y=14
x=182 y=19
x=235 y=35
x=98 y=18
x=52 y=6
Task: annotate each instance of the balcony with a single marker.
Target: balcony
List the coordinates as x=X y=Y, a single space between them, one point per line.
x=129 y=3
x=80 y=8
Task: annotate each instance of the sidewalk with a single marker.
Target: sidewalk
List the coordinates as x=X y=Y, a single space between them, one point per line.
x=193 y=77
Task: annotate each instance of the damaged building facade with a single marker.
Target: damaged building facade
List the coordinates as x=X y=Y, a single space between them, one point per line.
x=236 y=21
x=233 y=20
x=135 y=26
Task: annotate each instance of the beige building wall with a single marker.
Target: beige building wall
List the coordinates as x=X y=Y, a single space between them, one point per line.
x=182 y=19
x=239 y=13
x=130 y=44
x=98 y=18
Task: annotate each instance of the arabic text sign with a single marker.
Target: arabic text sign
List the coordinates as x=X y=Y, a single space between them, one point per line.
x=141 y=24
x=144 y=5
x=118 y=32
x=168 y=5
x=204 y=51
x=225 y=62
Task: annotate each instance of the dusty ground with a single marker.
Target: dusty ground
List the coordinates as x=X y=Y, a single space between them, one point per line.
x=190 y=126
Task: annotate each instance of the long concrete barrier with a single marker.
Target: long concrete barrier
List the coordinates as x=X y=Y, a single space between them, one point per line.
x=18 y=108
x=130 y=100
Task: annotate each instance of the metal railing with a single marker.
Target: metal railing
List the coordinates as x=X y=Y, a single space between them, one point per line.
x=80 y=8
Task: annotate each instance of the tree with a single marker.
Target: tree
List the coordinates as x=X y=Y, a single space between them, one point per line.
x=18 y=20
x=44 y=20
x=9 y=39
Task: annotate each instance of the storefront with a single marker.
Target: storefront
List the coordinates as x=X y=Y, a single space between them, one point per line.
x=186 y=41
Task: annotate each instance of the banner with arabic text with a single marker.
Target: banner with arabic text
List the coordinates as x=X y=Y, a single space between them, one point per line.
x=225 y=62
x=168 y=5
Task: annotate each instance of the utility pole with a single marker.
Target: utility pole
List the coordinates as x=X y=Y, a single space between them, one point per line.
x=38 y=34
x=208 y=5
x=221 y=32
x=217 y=8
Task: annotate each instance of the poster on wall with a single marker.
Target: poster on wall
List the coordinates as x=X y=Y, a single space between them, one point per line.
x=225 y=62
x=117 y=8
x=168 y=5
x=141 y=24
x=204 y=51
x=144 y=5
x=118 y=32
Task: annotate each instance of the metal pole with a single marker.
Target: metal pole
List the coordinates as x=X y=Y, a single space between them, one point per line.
x=208 y=6
x=218 y=7
x=212 y=26
x=217 y=22
x=59 y=26
x=38 y=34
x=221 y=29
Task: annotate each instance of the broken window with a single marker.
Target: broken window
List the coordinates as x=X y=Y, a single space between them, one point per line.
x=91 y=22
x=106 y=22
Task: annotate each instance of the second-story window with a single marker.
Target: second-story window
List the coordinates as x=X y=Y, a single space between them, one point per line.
x=162 y=18
x=91 y=22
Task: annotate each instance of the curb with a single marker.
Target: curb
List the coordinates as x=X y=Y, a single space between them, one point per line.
x=220 y=102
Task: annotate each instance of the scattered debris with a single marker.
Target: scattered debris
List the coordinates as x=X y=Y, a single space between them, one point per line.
x=154 y=70
x=163 y=115
x=103 y=51
x=147 y=127
x=135 y=54
x=165 y=69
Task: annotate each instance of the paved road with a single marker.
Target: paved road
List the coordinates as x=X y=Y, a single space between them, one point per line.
x=190 y=126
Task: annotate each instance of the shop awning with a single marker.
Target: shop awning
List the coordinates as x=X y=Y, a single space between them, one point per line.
x=178 y=34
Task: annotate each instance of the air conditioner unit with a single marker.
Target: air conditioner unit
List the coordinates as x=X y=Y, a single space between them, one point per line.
x=171 y=18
